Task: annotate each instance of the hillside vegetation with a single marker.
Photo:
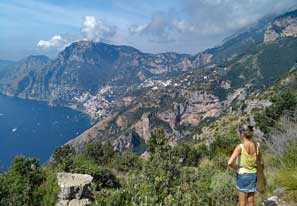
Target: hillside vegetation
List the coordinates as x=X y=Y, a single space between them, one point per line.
x=189 y=173
x=164 y=138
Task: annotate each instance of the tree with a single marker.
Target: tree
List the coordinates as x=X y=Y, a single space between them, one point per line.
x=20 y=182
x=126 y=161
x=101 y=153
x=62 y=157
x=103 y=177
x=158 y=142
x=160 y=173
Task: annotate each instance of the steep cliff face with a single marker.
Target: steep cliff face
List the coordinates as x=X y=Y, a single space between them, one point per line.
x=143 y=126
x=283 y=26
x=198 y=106
x=164 y=107
x=21 y=79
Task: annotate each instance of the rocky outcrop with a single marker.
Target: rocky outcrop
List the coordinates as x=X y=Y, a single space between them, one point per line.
x=198 y=106
x=239 y=94
x=21 y=78
x=202 y=59
x=201 y=105
x=143 y=126
x=169 y=117
x=282 y=27
x=126 y=142
x=270 y=35
x=256 y=104
x=75 y=189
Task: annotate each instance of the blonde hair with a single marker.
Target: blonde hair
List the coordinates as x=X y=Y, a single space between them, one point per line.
x=247 y=130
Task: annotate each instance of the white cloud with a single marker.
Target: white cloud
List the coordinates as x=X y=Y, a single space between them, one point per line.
x=183 y=26
x=199 y=24
x=163 y=27
x=94 y=29
x=135 y=29
x=219 y=17
x=191 y=26
x=56 y=41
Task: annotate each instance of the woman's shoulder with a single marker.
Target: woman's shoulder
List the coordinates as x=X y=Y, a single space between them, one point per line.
x=239 y=147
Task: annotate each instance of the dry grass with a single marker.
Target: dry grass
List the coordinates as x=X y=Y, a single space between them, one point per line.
x=281 y=138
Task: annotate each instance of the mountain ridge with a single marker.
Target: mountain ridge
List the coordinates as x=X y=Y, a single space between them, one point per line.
x=118 y=64
x=196 y=96
x=138 y=92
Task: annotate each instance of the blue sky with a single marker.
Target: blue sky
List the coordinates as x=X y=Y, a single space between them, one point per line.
x=186 y=26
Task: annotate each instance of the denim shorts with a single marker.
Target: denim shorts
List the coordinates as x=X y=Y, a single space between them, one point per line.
x=246 y=182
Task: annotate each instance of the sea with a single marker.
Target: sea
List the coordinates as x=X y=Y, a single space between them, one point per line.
x=35 y=129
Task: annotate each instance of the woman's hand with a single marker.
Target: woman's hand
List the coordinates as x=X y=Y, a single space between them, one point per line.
x=233 y=166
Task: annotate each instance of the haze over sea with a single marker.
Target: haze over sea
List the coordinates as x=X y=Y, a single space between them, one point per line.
x=34 y=129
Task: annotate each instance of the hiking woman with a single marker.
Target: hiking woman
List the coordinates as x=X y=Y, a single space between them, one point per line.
x=244 y=160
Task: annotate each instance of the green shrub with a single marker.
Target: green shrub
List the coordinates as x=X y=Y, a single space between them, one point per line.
x=189 y=155
x=112 y=198
x=49 y=189
x=289 y=158
x=158 y=142
x=103 y=178
x=286 y=176
x=126 y=161
x=284 y=101
x=62 y=158
x=20 y=182
x=222 y=146
x=223 y=191
x=101 y=153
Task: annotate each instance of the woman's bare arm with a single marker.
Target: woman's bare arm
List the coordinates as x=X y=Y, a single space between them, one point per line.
x=234 y=155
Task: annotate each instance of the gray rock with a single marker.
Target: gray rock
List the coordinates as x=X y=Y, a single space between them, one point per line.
x=272 y=201
x=126 y=142
x=143 y=126
x=257 y=104
x=74 y=202
x=284 y=27
x=74 y=189
x=82 y=202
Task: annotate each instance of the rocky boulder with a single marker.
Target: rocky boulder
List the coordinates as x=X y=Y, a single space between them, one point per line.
x=272 y=201
x=75 y=189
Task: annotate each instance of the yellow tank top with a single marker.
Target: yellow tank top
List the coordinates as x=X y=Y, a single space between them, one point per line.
x=247 y=162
